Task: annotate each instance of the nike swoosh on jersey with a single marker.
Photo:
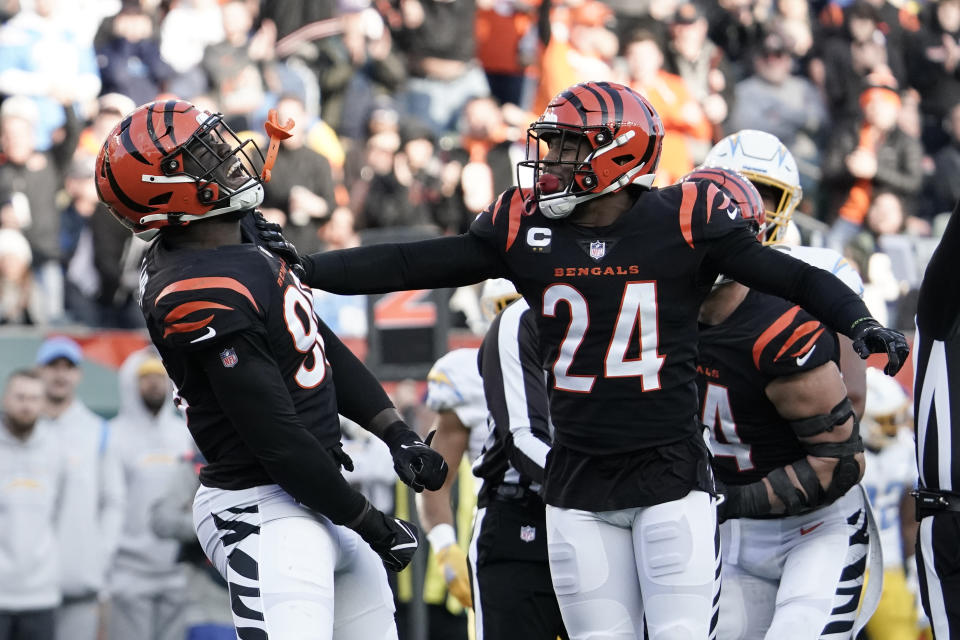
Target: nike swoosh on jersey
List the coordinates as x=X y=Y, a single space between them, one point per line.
x=803 y=360
x=804 y=532
x=210 y=333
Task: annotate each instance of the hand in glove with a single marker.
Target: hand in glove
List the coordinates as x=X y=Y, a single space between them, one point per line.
x=869 y=336
x=270 y=237
x=395 y=540
x=452 y=561
x=415 y=462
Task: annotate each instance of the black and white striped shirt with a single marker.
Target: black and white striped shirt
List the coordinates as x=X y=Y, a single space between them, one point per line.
x=514 y=384
x=936 y=356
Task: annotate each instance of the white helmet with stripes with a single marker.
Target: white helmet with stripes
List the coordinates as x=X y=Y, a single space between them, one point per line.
x=769 y=165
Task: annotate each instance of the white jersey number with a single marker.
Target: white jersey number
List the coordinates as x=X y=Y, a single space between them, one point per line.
x=724 y=439
x=638 y=308
x=306 y=336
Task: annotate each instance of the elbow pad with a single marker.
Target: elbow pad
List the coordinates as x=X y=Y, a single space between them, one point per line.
x=845 y=476
x=824 y=423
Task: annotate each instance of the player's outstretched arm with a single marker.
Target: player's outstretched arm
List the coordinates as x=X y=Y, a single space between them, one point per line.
x=741 y=257
x=815 y=404
x=451 y=261
x=450 y=439
x=255 y=399
x=938 y=306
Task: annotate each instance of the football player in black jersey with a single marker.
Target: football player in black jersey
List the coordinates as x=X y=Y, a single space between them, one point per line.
x=614 y=272
x=787 y=451
x=262 y=379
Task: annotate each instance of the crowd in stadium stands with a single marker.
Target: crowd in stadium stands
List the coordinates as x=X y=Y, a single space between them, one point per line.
x=412 y=113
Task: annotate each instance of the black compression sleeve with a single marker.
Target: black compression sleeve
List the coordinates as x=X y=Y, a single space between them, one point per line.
x=451 y=261
x=359 y=395
x=739 y=256
x=938 y=306
x=256 y=401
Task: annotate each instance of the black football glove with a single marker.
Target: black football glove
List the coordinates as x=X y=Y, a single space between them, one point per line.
x=415 y=462
x=270 y=237
x=869 y=336
x=395 y=540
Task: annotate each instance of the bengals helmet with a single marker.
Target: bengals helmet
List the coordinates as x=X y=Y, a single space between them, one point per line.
x=168 y=163
x=770 y=166
x=599 y=137
x=740 y=190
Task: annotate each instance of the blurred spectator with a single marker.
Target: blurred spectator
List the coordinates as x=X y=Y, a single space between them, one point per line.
x=208 y=615
x=702 y=65
x=29 y=181
x=111 y=107
x=481 y=167
x=581 y=47
x=438 y=39
x=91 y=510
x=147 y=583
x=789 y=106
x=943 y=188
x=301 y=191
x=870 y=157
x=232 y=70
x=376 y=163
x=31 y=474
x=509 y=35
x=736 y=26
x=409 y=195
x=129 y=58
x=793 y=19
x=846 y=59
x=43 y=59
x=19 y=300
x=372 y=70
x=186 y=31
x=687 y=132
x=102 y=259
x=372 y=467
x=935 y=67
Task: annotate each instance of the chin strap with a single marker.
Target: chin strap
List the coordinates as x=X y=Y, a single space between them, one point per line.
x=277 y=132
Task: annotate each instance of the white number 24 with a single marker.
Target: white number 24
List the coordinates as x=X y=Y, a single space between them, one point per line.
x=638 y=308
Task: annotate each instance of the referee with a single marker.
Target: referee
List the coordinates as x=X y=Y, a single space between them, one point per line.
x=513 y=592
x=937 y=411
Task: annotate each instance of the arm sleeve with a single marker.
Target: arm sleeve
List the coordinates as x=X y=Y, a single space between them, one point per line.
x=359 y=395
x=451 y=261
x=516 y=391
x=937 y=307
x=739 y=256
x=256 y=401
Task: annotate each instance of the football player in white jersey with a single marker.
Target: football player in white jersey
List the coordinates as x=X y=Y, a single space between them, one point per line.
x=455 y=393
x=890 y=475
x=769 y=165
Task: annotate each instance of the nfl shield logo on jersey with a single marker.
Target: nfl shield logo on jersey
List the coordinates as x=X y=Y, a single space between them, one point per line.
x=229 y=358
x=527 y=534
x=598 y=248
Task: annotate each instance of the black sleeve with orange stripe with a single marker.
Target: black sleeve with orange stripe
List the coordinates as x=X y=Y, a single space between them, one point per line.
x=192 y=312
x=793 y=343
x=738 y=255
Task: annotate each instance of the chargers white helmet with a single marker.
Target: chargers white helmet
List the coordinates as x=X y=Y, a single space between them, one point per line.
x=769 y=165
x=496 y=295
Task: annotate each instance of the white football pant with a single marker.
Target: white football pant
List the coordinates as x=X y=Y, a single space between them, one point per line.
x=613 y=571
x=292 y=574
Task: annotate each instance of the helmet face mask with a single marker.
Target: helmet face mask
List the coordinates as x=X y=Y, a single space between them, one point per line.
x=170 y=164
x=593 y=139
